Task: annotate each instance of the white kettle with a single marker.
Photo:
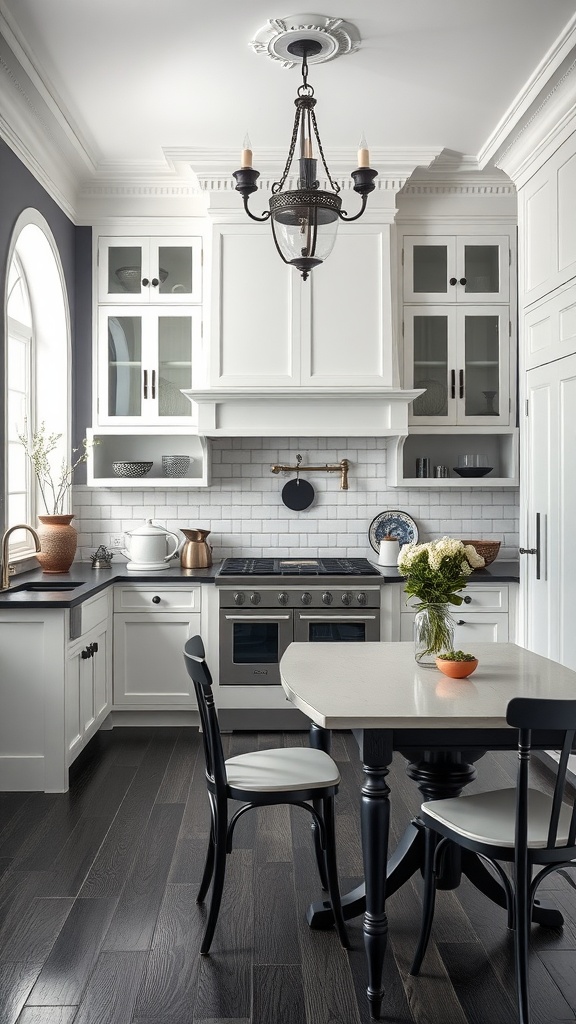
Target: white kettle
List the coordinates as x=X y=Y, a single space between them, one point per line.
x=146 y=547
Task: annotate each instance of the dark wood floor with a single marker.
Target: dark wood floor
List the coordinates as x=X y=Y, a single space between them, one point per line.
x=99 y=925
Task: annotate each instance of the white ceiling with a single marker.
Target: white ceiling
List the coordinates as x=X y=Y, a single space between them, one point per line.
x=137 y=77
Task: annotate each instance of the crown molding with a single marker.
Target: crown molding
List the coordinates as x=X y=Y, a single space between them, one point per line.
x=539 y=113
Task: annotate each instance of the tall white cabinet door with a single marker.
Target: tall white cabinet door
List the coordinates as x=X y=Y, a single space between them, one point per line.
x=255 y=311
x=549 y=572
x=346 y=314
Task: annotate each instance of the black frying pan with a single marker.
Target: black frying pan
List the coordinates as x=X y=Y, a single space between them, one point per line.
x=298 y=494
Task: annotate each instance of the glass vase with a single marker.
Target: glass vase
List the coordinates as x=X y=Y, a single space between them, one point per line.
x=433 y=633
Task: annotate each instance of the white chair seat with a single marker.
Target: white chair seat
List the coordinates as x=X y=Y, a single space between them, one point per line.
x=290 y=768
x=490 y=817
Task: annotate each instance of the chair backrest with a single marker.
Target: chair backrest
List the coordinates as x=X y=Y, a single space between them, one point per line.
x=526 y=714
x=195 y=661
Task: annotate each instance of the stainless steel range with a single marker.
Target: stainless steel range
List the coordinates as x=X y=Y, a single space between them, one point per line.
x=266 y=603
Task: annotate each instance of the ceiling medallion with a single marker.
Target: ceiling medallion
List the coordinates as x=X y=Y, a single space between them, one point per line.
x=334 y=36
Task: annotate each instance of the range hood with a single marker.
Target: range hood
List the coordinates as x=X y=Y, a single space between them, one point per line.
x=302 y=411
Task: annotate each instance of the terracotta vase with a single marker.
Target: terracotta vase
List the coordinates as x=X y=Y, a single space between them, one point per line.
x=58 y=542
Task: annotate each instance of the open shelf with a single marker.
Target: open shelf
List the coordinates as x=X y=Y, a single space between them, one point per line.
x=116 y=444
x=444 y=448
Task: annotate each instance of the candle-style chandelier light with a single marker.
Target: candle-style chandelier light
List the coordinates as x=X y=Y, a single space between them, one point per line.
x=305 y=220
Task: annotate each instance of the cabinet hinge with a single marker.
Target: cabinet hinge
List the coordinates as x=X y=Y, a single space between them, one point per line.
x=97 y=257
x=509 y=257
x=526 y=408
x=402 y=257
x=509 y=328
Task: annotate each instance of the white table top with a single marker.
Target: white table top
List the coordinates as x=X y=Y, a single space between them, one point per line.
x=379 y=685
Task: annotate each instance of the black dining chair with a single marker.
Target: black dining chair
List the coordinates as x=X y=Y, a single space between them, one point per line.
x=522 y=826
x=264 y=778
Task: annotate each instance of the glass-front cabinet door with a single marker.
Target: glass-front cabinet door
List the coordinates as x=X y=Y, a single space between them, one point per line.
x=460 y=357
x=145 y=359
x=158 y=270
x=467 y=269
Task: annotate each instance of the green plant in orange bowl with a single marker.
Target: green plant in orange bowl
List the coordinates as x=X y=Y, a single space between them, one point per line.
x=456 y=664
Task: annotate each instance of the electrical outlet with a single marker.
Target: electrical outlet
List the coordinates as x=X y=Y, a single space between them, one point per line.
x=116 y=540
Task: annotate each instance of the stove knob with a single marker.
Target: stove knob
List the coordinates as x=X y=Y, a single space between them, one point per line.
x=239 y=598
x=346 y=598
x=361 y=598
x=283 y=598
x=306 y=598
x=327 y=598
x=255 y=598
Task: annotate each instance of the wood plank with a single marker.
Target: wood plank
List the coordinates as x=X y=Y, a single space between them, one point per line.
x=75 y=859
x=134 y=920
x=180 y=769
x=168 y=990
x=16 y=980
x=70 y=963
x=275 y=925
x=24 y=824
x=278 y=995
x=47 y=1015
x=34 y=930
x=110 y=868
x=111 y=991
x=477 y=987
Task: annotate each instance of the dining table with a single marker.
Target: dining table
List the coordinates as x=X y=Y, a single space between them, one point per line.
x=442 y=727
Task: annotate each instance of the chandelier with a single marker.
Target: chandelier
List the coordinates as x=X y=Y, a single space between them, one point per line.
x=305 y=220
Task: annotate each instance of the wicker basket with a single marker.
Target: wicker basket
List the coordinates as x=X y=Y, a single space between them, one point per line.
x=488 y=549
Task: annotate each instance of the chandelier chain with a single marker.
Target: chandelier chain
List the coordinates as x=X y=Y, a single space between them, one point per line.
x=278 y=185
x=333 y=183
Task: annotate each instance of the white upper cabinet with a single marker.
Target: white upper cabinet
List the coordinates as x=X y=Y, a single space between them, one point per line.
x=145 y=357
x=461 y=356
x=547 y=241
x=463 y=269
x=271 y=329
x=140 y=270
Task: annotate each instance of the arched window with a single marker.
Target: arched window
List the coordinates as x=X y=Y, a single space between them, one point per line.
x=37 y=364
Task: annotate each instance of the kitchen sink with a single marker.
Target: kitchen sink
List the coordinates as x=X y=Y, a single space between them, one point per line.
x=57 y=585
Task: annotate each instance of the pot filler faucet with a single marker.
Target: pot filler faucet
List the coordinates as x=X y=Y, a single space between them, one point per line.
x=4 y=565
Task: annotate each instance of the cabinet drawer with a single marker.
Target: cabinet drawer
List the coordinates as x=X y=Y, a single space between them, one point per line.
x=470 y=628
x=482 y=598
x=157 y=599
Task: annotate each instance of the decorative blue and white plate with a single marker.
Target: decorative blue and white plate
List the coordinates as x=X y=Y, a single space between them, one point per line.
x=392 y=524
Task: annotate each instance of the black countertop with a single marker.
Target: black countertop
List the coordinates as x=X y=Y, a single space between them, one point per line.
x=91 y=581
x=497 y=572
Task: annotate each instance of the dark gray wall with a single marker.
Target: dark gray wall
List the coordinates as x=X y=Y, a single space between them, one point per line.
x=18 y=191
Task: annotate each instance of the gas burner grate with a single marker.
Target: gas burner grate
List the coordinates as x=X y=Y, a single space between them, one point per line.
x=298 y=567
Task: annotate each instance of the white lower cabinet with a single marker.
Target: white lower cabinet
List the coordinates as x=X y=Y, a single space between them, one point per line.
x=487 y=615
x=52 y=699
x=88 y=687
x=151 y=626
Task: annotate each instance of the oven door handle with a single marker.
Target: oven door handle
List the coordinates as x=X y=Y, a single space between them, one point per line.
x=256 y=616
x=337 y=618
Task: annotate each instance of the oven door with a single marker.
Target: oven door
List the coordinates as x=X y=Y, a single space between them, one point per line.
x=251 y=645
x=337 y=626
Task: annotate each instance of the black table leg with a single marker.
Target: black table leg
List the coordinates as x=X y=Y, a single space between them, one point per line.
x=376 y=754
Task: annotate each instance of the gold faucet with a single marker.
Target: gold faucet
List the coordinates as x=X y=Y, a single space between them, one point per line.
x=4 y=565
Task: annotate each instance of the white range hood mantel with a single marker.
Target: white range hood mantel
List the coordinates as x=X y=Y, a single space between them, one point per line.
x=303 y=411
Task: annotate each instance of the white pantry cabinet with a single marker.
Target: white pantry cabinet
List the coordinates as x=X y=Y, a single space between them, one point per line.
x=51 y=705
x=548 y=562
x=151 y=626
x=271 y=329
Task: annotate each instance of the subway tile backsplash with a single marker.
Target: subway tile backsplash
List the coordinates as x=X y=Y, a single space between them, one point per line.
x=243 y=508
